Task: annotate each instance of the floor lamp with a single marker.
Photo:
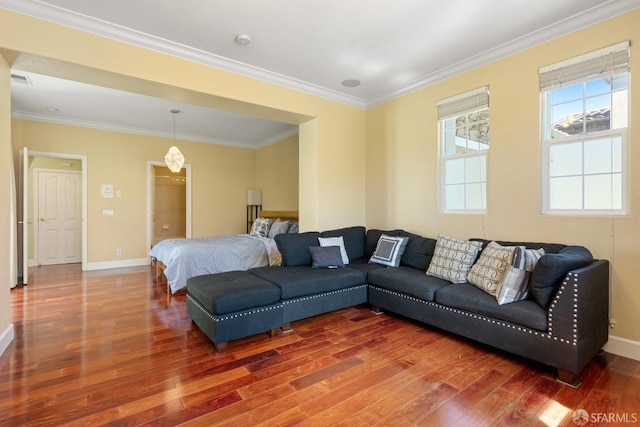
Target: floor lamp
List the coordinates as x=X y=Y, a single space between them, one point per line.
x=254 y=206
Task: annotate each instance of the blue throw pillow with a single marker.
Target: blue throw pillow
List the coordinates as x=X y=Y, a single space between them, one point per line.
x=326 y=257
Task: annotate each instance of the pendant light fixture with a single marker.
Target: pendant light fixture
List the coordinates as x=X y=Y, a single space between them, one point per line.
x=174 y=158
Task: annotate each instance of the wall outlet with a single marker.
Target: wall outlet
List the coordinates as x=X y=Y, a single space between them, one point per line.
x=118 y=252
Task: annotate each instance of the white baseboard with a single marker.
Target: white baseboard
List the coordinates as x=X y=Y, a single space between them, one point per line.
x=623 y=347
x=104 y=265
x=6 y=338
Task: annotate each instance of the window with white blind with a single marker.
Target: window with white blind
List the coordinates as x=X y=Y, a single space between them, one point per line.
x=464 y=145
x=585 y=118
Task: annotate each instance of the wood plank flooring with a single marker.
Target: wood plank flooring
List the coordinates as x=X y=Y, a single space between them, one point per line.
x=109 y=348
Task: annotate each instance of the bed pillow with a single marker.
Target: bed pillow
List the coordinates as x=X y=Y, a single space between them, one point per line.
x=295 y=247
x=278 y=227
x=389 y=250
x=488 y=271
x=325 y=257
x=335 y=241
x=260 y=227
x=452 y=259
x=294 y=227
x=515 y=282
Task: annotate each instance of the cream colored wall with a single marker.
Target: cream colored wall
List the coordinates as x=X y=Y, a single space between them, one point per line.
x=6 y=219
x=277 y=174
x=403 y=174
x=220 y=177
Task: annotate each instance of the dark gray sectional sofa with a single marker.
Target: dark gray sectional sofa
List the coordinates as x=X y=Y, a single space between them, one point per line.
x=563 y=323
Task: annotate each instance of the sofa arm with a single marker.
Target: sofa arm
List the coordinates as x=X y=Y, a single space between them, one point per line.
x=581 y=305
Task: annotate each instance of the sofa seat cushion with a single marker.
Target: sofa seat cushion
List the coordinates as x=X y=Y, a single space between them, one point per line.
x=407 y=280
x=223 y=293
x=362 y=264
x=467 y=297
x=302 y=281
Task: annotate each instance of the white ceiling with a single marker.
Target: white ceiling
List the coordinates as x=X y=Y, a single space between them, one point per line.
x=392 y=47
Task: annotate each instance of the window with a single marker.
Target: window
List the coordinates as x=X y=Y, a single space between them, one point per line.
x=585 y=102
x=464 y=142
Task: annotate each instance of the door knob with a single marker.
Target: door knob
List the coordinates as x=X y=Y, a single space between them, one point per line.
x=43 y=218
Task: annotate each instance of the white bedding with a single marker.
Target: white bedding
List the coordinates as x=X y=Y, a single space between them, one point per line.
x=185 y=258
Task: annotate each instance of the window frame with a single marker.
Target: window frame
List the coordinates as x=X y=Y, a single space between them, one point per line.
x=547 y=142
x=465 y=107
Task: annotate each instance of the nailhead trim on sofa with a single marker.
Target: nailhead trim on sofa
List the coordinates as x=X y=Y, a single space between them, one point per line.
x=310 y=297
x=548 y=334
x=231 y=316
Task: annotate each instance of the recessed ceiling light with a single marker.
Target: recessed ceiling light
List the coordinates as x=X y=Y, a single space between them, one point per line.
x=243 y=39
x=351 y=83
x=52 y=109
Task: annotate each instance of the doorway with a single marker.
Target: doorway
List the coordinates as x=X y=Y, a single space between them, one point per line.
x=169 y=203
x=60 y=162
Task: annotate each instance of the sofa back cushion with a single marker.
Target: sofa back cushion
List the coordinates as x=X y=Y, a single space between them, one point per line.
x=549 y=248
x=418 y=252
x=353 y=237
x=294 y=248
x=552 y=268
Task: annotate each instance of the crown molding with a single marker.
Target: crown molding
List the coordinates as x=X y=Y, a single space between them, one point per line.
x=151 y=132
x=37 y=9
x=57 y=15
x=574 y=23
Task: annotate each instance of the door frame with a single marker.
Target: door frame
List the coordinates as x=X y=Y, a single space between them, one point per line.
x=83 y=161
x=36 y=207
x=151 y=194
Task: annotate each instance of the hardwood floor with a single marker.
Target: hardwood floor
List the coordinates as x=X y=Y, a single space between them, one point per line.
x=108 y=348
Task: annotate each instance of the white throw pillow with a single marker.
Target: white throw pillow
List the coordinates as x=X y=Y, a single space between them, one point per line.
x=453 y=258
x=488 y=271
x=336 y=241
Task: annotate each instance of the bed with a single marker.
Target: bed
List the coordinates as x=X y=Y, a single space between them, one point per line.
x=176 y=260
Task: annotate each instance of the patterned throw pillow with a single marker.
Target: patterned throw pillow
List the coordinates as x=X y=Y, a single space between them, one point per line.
x=515 y=283
x=294 y=227
x=488 y=271
x=336 y=241
x=261 y=227
x=389 y=250
x=452 y=259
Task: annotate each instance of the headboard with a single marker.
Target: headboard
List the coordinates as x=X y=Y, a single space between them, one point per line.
x=283 y=215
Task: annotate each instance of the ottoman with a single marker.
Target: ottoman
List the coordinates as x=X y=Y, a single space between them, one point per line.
x=232 y=305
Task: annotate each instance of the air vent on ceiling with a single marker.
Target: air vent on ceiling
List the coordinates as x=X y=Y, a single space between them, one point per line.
x=23 y=80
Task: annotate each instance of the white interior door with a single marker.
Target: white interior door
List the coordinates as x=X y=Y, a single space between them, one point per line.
x=59 y=216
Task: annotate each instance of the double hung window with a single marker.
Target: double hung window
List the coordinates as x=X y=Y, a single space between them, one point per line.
x=464 y=145
x=585 y=103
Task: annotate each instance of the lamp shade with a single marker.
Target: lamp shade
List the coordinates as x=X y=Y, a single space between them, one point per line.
x=174 y=159
x=254 y=197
